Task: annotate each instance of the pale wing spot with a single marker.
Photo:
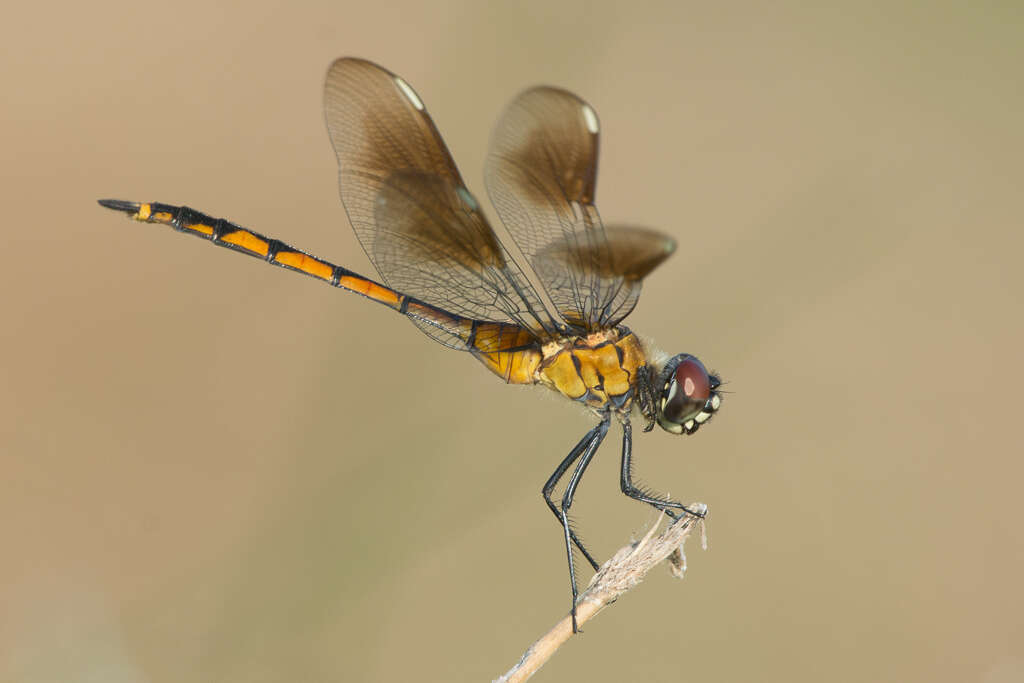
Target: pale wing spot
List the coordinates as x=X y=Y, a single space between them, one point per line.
x=590 y=118
x=467 y=198
x=409 y=93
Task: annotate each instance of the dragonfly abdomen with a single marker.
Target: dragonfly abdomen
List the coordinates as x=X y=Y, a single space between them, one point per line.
x=224 y=233
x=506 y=349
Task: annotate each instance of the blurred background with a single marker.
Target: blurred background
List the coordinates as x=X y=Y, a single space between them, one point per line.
x=215 y=470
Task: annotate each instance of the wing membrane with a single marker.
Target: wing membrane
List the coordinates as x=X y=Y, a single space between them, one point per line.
x=542 y=176
x=632 y=253
x=410 y=209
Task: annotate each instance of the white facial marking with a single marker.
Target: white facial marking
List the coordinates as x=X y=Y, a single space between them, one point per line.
x=688 y=424
x=702 y=417
x=409 y=93
x=671 y=391
x=590 y=118
x=715 y=401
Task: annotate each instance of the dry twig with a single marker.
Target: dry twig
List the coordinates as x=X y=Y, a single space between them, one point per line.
x=625 y=569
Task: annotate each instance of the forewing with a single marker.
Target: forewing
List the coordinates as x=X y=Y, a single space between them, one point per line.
x=542 y=175
x=409 y=207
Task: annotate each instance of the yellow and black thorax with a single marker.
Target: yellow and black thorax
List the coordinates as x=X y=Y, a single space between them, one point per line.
x=601 y=370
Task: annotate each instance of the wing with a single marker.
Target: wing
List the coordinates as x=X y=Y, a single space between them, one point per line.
x=417 y=222
x=632 y=253
x=542 y=175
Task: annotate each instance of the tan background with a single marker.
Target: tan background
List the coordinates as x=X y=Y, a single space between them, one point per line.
x=218 y=471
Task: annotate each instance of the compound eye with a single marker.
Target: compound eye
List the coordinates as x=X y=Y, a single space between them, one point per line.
x=688 y=391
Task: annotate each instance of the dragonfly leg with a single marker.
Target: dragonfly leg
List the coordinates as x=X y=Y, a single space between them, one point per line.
x=590 y=444
x=553 y=480
x=667 y=505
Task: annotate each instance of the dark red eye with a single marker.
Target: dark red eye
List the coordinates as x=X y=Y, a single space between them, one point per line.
x=693 y=380
x=688 y=392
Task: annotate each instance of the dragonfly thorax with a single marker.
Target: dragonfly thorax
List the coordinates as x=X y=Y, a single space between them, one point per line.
x=601 y=370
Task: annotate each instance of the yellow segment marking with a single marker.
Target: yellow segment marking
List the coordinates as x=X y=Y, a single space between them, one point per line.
x=367 y=288
x=524 y=365
x=144 y=212
x=515 y=367
x=356 y=284
x=383 y=294
x=200 y=227
x=307 y=264
x=162 y=217
x=246 y=240
x=497 y=336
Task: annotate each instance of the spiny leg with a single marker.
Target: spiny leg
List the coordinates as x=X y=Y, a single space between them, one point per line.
x=665 y=504
x=594 y=438
x=552 y=481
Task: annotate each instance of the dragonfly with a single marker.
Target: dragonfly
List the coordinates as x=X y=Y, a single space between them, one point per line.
x=549 y=314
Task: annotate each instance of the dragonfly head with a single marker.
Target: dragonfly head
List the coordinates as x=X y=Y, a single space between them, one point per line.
x=688 y=396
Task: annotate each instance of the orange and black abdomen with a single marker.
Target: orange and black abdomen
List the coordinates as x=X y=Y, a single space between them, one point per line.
x=506 y=349
x=226 y=234
x=601 y=375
